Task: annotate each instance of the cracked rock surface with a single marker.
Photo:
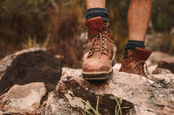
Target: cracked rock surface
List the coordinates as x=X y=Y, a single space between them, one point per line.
x=152 y=96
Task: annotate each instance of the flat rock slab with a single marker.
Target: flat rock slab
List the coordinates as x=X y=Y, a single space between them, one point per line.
x=23 y=99
x=152 y=96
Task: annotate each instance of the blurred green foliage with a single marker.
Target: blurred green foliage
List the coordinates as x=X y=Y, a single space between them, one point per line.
x=20 y=20
x=56 y=25
x=163 y=15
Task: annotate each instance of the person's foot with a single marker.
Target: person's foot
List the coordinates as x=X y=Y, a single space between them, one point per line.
x=135 y=62
x=100 y=59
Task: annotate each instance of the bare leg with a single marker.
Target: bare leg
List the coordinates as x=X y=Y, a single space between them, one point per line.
x=138 y=18
x=95 y=4
x=135 y=55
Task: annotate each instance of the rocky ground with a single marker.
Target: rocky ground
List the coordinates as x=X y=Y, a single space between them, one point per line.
x=33 y=82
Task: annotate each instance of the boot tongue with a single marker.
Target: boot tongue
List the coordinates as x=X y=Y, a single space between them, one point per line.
x=142 y=54
x=94 y=25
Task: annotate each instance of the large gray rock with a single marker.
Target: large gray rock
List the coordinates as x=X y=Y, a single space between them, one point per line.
x=23 y=99
x=152 y=96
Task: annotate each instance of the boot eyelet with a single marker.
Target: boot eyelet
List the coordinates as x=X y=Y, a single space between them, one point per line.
x=105 y=32
x=130 y=52
x=131 y=58
x=103 y=38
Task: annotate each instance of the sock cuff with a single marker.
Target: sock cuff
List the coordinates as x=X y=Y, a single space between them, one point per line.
x=95 y=12
x=135 y=41
x=132 y=44
x=95 y=9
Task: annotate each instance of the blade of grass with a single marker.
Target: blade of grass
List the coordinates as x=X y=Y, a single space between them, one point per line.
x=88 y=112
x=81 y=111
x=116 y=110
x=97 y=104
x=127 y=107
x=95 y=112
x=119 y=108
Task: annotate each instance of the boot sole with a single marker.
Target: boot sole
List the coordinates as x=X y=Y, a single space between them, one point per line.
x=103 y=75
x=97 y=75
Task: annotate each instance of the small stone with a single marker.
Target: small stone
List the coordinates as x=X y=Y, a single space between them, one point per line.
x=56 y=106
x=23 y=98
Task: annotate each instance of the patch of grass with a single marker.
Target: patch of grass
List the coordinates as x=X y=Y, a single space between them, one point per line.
x=95 y=111
x=28 y=43
x=118 y=108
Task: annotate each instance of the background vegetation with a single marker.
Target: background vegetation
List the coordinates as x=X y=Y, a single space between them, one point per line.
x=58 y=24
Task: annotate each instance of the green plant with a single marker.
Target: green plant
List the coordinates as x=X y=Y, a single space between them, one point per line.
x=18 y=17
x=28 y=43
x=118 y=108
x=96 y=112
x=162 y=15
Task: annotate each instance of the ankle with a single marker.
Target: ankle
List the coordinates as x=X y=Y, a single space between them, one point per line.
x=95 y=12
x=131 y=45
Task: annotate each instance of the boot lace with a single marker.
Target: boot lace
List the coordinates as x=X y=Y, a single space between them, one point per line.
x=139 y=68
x=98 y=43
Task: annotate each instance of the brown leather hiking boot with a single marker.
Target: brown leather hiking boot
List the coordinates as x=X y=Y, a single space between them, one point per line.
x=98 y=65
x=135 y=62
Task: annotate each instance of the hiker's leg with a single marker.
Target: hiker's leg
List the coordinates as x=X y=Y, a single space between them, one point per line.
x=96 y=8
x=95 y=4
x=138 y=20
x=98 y=65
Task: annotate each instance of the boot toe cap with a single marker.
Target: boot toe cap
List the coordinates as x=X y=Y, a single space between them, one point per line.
x=96 y=66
